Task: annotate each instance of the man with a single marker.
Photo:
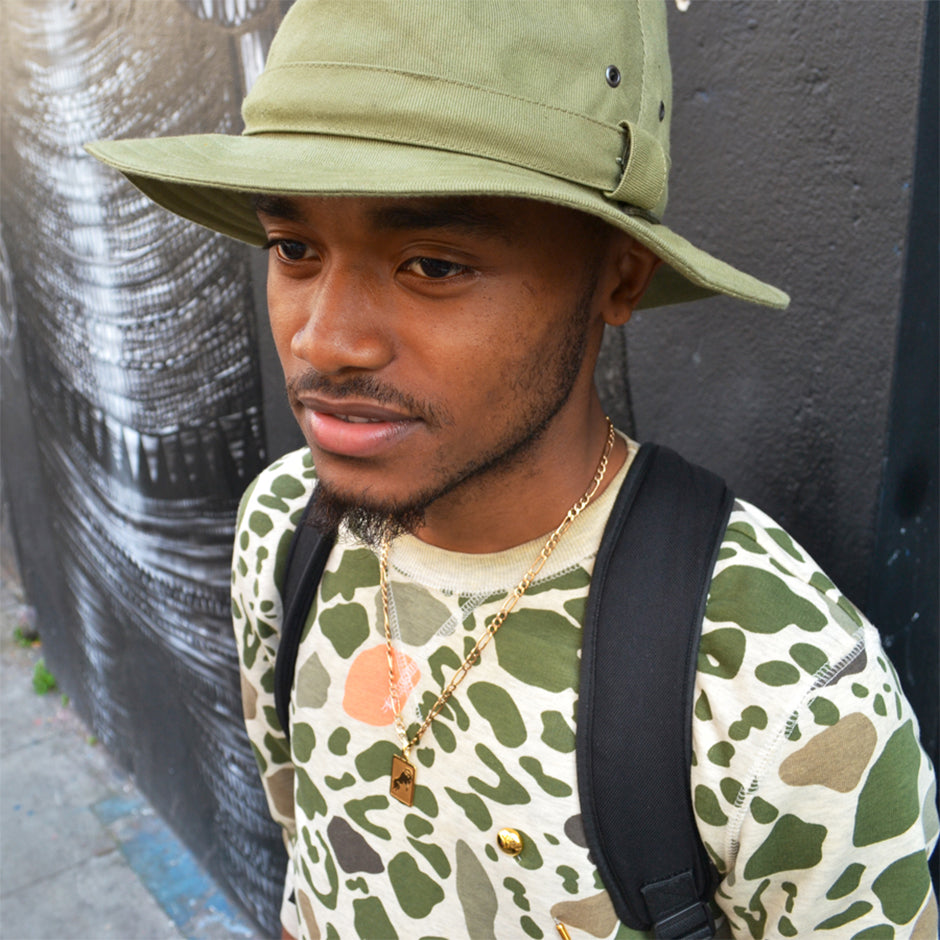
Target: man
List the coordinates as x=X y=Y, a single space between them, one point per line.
x=456 y=199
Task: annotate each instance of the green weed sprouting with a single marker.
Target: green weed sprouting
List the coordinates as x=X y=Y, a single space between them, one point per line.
x=43 y=680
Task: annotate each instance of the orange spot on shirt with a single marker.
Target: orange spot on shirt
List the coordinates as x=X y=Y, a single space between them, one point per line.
x=366 y=697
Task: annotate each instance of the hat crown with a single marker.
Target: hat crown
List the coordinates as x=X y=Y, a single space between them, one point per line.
x=581 y=91
x=563 y=101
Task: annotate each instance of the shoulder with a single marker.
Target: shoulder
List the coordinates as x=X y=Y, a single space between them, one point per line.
x=267 y=516
x=777 y=638
x=799 y=720
x=768 y=597
x=278 y=491
x=270 y=510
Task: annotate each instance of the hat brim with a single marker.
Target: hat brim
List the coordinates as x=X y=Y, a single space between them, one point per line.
x=210 y=179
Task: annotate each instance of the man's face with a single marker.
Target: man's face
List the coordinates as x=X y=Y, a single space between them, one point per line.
x=428 y=344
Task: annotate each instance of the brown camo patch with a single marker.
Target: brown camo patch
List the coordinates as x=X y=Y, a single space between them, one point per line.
x=281 y=790
x=594 y=915
x=306 y=912
x=836 y=758
x=926 y=926
x=249 y=698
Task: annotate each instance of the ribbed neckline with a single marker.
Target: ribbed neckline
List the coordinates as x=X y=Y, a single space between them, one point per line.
x=457 y=572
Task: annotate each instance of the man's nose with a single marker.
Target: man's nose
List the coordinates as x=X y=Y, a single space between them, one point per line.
x=340 y=323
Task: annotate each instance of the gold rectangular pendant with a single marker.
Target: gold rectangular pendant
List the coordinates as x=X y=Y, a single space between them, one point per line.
x=403 y=781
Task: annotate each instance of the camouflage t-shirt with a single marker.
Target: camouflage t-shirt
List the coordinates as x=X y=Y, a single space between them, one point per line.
x=810 y=788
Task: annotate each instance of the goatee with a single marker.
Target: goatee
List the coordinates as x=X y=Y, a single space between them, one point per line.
x=330 y=510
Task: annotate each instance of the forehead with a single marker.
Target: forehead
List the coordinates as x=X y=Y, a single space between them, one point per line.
x=486 y=217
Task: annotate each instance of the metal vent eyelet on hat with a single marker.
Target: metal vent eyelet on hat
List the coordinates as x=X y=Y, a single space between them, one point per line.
x=613 y=76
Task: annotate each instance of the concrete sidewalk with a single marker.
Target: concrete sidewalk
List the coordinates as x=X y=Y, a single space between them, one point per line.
x=82 y=854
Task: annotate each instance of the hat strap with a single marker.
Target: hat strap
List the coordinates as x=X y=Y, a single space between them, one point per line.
x=645 y=172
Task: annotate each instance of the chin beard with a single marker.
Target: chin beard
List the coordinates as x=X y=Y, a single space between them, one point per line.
x=371 y=524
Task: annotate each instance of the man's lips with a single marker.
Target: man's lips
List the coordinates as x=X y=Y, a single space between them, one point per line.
x=351 y=409
x=351 y=428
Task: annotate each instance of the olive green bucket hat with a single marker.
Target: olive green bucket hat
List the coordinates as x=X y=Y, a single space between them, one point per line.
x=567 y=103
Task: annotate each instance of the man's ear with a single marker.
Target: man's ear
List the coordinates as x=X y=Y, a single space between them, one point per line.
x=634 y=265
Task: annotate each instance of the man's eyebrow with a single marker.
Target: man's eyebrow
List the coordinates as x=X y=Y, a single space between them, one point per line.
x=453 y=214
x=277 y=207
x=457 y=214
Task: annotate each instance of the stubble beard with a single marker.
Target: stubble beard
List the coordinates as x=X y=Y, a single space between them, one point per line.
x=372 y=520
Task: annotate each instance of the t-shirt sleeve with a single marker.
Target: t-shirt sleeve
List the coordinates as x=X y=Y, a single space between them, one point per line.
x=267 y=516
x=810 y=787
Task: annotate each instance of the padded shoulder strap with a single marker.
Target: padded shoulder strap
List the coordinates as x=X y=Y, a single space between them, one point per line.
x=638 y=661
x=306 y=559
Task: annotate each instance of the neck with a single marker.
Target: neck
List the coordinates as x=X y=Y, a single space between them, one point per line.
x=528 y=498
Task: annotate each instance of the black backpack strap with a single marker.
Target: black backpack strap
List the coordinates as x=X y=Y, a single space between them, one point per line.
x=638 y=662
x=306 y=559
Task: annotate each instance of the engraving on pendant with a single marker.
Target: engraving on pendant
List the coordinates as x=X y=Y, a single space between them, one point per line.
x=403 y=781
x=509 y=841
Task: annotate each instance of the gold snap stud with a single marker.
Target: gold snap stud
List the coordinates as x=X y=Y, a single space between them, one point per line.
x=509 y=841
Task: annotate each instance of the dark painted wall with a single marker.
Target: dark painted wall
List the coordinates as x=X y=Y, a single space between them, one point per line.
x=903 y=592
x=134 y=410
x=793 y=148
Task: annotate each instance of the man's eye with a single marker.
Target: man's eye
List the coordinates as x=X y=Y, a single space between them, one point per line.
x=288 y=250
x=434 y=268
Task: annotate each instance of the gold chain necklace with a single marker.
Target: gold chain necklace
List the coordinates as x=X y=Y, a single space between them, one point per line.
x=402 y=785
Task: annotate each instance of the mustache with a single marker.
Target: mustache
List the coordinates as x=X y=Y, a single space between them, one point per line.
x=370 y=388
